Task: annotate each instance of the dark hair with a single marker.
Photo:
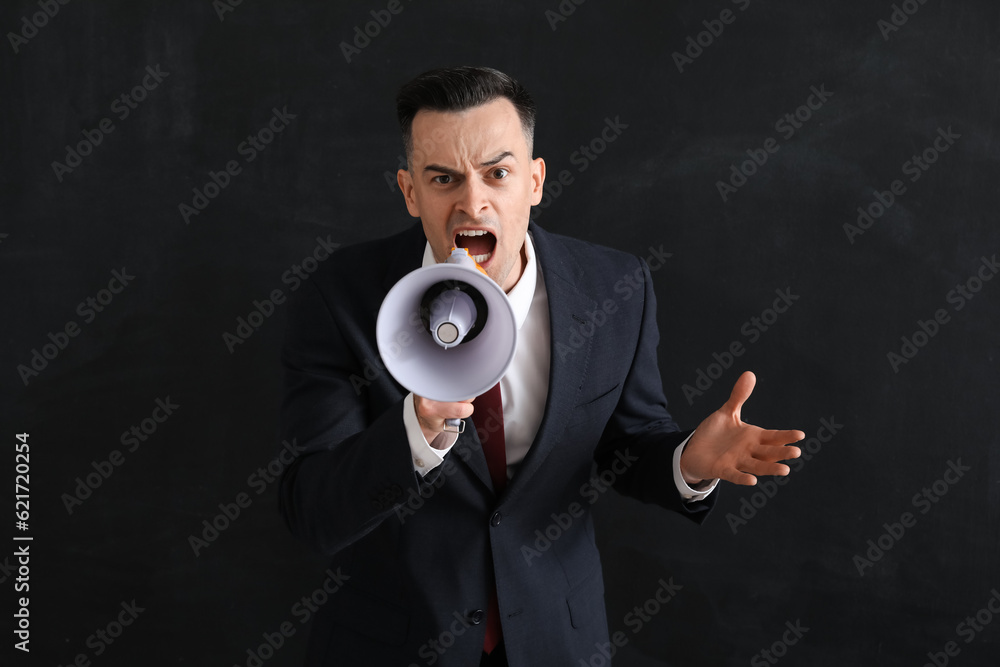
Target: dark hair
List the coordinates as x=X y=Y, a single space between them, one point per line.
x=457 y=89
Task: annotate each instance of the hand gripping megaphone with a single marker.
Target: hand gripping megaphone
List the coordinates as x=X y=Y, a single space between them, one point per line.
x=447 y=332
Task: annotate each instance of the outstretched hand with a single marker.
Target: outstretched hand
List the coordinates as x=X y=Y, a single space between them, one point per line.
x=724 y=447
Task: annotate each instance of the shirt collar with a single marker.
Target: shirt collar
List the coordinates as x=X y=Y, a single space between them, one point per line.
x=523 y=291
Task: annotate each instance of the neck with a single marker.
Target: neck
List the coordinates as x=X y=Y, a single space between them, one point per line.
x=518 y=269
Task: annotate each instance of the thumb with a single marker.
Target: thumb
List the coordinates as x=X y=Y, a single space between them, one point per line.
x=741 y=392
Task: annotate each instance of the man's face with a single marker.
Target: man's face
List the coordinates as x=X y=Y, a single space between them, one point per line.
x=472 y=183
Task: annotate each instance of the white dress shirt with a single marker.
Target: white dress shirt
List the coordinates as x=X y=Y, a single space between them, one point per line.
x=524 y=387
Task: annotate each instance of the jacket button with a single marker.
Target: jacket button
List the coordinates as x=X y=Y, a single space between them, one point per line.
x=476 y=617
x=495 y=519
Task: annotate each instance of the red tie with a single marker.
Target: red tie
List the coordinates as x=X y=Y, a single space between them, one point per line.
x=489 y=408
x=488 y=413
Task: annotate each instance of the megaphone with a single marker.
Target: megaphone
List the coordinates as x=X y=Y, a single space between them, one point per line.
x=447 y=332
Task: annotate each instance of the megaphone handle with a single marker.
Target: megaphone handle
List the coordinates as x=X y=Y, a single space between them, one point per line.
x=454 y=425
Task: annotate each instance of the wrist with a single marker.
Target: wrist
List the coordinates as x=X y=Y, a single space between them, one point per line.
x=429 y=433
x=690 y=480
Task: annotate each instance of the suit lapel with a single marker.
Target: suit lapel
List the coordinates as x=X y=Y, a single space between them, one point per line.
x=405 y=252
x=568 y=364
x=400 y=254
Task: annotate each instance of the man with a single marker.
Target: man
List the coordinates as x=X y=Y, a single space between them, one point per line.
x=439 y=549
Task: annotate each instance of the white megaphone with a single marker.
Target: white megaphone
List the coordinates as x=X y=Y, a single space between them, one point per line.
x=447 y=332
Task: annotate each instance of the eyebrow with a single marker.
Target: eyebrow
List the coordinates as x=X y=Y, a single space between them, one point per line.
x=489 y=163
x=497 y=159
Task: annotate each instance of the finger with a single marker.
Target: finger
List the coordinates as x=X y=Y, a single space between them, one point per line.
x=741 y=392
x=439 y=411
x=736 y=477
x=455 y=410
x=789 y=452
x=773 y=454
x=758 y=467
x=773 y=437
x=778 y=443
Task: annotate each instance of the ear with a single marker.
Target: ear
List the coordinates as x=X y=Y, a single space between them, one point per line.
x=537 y=180
x=405 y=182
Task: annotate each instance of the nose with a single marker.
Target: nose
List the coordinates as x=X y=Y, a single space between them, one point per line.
x=472 y=198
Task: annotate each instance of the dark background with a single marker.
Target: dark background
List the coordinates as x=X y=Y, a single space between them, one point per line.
x=324 y=175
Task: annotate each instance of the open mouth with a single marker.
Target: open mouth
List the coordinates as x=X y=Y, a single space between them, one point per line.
x=479 y=242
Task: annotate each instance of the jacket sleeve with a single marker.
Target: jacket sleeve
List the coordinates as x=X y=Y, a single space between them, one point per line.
x=642 y=428
x=342 y=410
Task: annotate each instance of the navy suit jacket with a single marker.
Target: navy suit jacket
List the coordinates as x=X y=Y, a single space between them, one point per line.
x=419 y=554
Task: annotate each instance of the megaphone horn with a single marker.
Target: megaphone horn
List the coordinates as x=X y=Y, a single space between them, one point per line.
x=459 y=326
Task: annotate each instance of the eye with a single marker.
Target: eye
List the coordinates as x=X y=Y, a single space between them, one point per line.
x=500 y=172
x=443 y=179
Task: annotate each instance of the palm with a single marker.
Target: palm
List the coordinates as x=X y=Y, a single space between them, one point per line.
x=724 y=447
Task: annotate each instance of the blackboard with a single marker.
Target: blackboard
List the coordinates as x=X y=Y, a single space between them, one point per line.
x=815 y=181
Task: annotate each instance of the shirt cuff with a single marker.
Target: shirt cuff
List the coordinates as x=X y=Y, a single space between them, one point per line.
x=425 y=458
x=687 y=493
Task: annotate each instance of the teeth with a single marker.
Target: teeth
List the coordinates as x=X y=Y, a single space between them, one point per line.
x=479 y=259
x=472 y=232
